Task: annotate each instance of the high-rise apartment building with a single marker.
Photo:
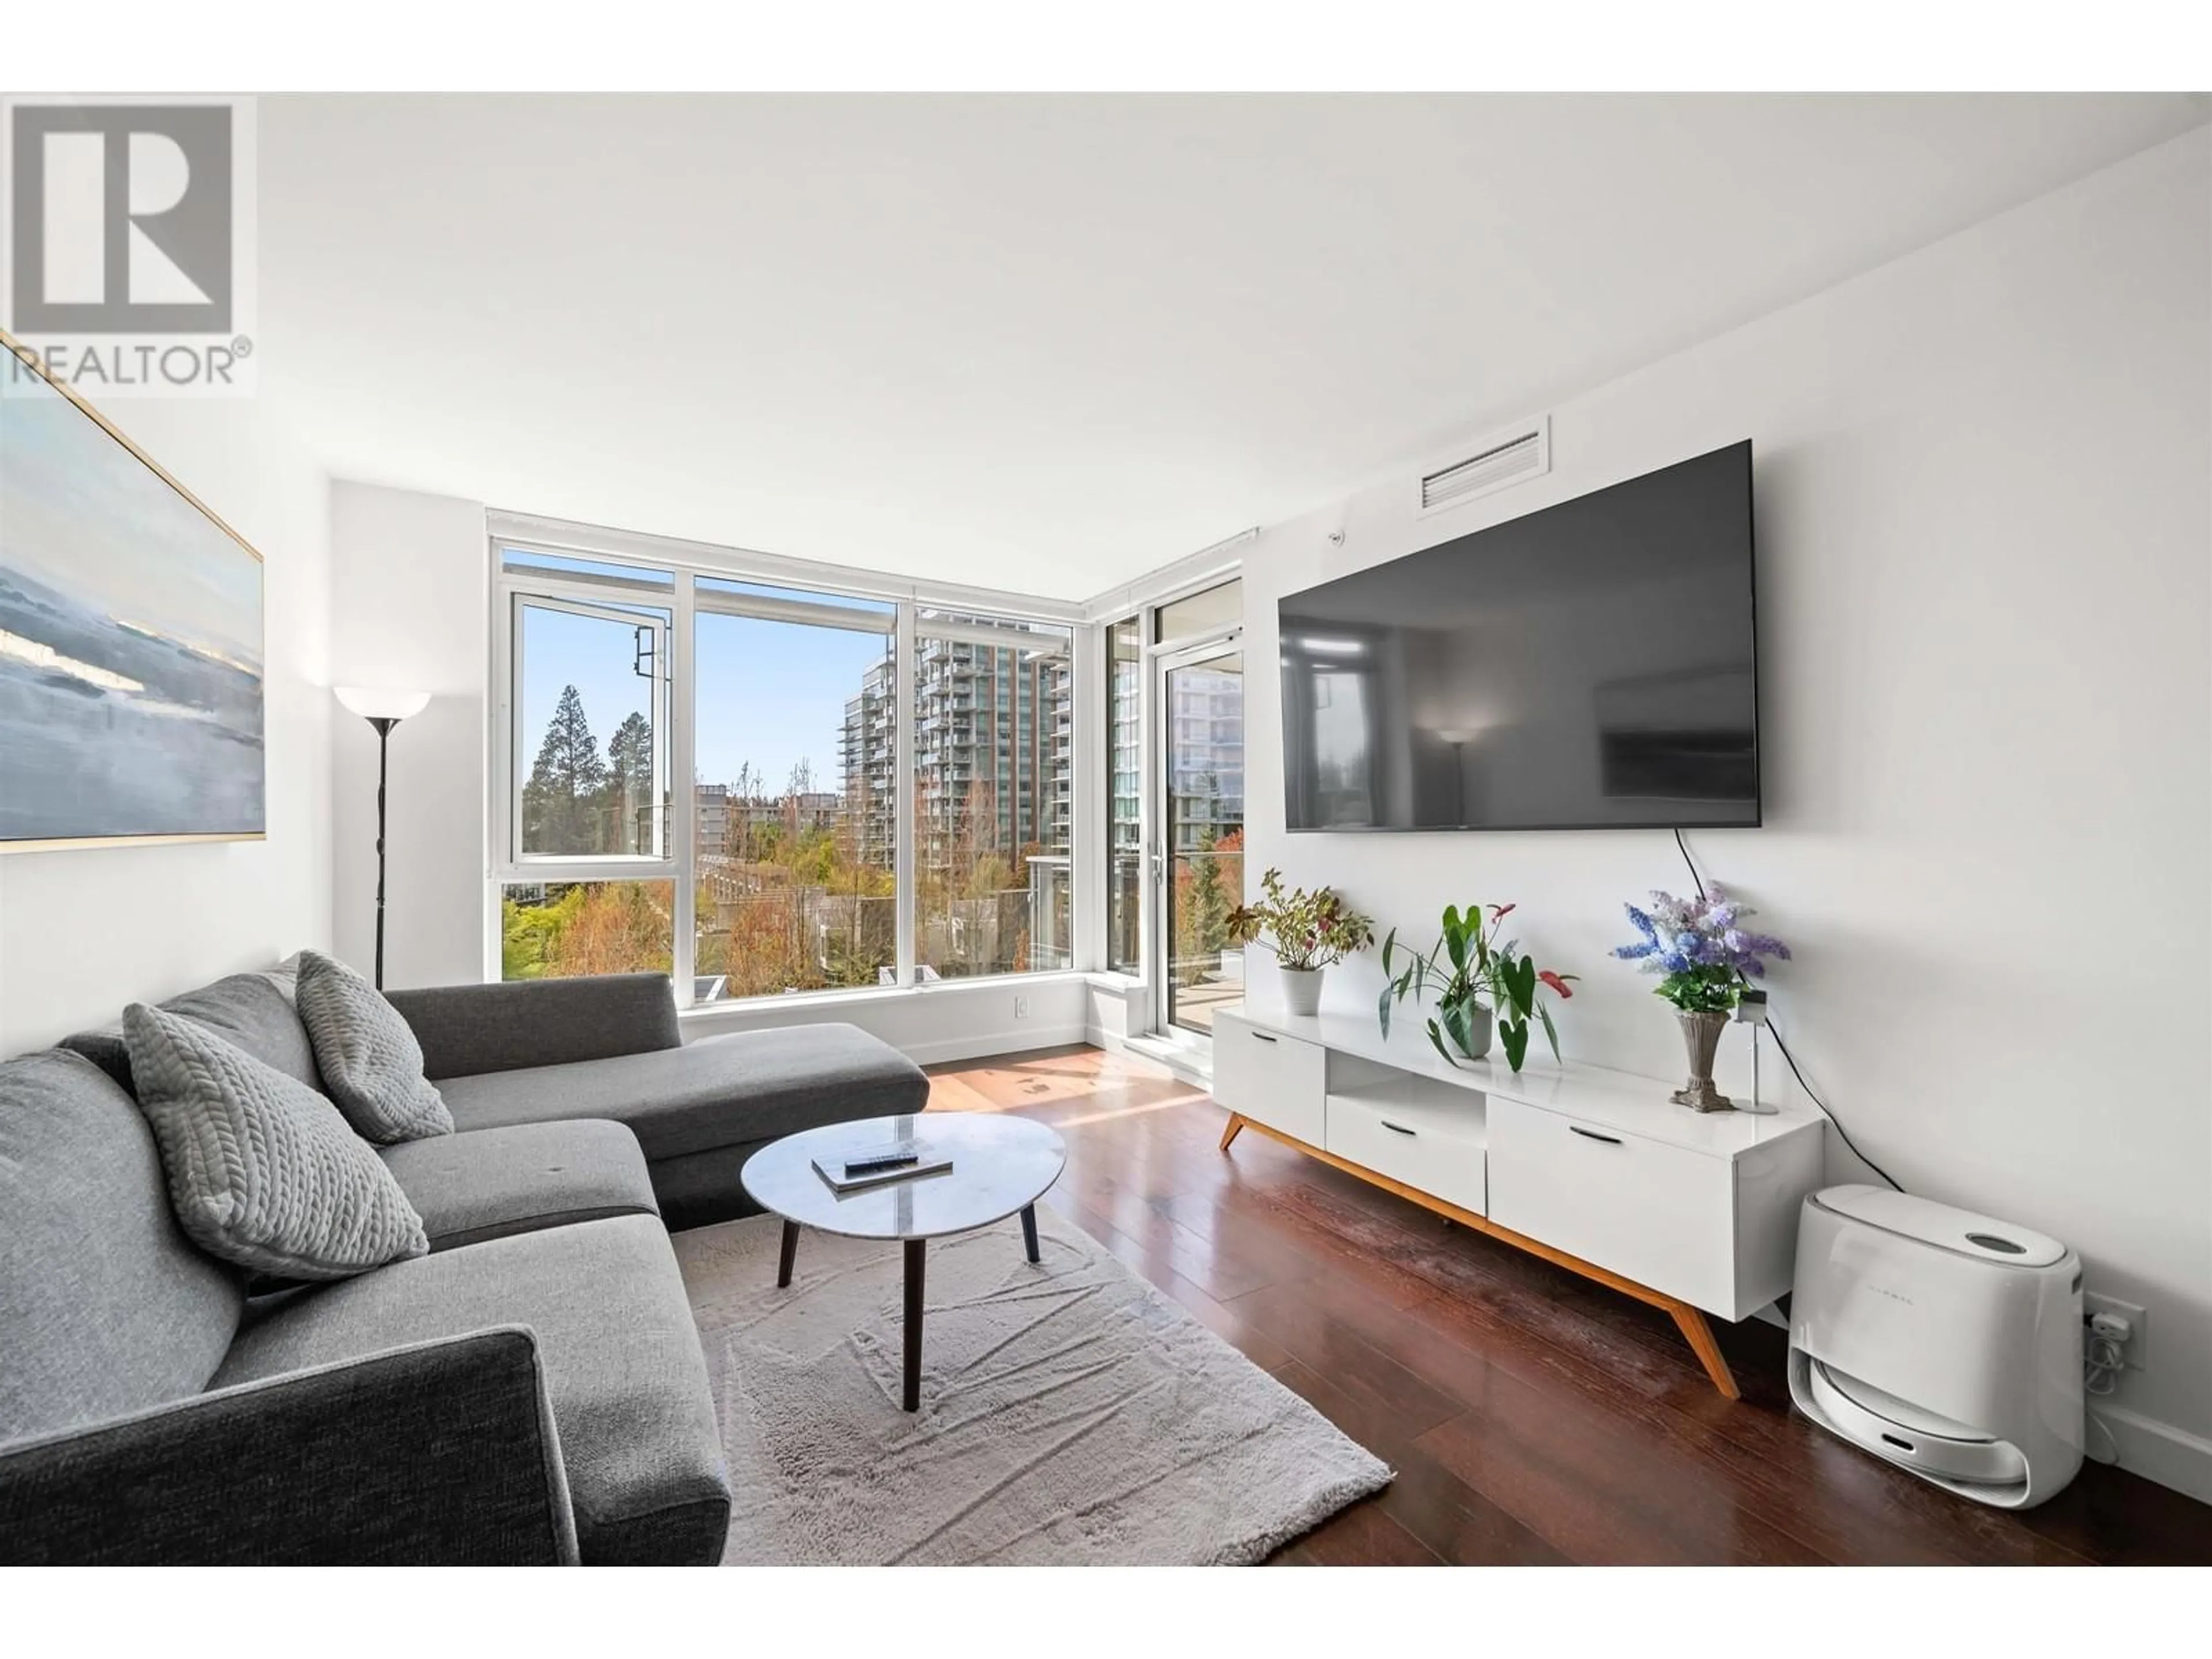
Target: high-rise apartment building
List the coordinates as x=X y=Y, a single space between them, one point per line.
x=867 y=759
x=994 y=734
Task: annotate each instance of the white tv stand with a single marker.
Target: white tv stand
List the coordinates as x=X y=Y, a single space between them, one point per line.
x=1592 y=1169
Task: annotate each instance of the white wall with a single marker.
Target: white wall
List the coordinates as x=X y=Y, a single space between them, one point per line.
x=1985 y=598
x=81 y=933
x=411 y=592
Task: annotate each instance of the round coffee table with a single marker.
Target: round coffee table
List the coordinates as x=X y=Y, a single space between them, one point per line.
x=1000 y=1165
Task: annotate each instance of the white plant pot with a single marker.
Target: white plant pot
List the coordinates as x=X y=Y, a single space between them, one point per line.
x=1301 y=989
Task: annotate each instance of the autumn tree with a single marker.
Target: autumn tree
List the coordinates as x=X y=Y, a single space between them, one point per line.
x=613 y=928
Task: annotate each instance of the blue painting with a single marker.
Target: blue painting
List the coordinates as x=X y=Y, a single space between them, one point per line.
x=130 y=641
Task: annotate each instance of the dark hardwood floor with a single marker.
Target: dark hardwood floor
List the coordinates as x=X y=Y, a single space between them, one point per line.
x=1532 y=1417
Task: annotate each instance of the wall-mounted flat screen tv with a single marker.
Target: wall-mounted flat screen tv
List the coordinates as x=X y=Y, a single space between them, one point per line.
x=1593 y=666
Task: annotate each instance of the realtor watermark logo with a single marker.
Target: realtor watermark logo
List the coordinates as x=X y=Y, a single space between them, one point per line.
x=129 y=235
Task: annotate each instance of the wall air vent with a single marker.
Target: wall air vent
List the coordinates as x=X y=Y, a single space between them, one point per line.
x=1512 y=457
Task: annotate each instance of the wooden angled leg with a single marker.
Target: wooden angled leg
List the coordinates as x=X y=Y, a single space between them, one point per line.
x=1700 y=1336
x=1236 y=1128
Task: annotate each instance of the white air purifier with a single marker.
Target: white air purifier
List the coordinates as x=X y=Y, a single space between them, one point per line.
x=1948 y=1343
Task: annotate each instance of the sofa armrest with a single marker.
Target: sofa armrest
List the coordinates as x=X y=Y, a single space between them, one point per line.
x=442 y=1452
x=468 y=1030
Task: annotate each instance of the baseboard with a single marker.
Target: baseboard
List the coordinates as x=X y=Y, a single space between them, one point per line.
x=2159 y=1451
x=1013 y=1039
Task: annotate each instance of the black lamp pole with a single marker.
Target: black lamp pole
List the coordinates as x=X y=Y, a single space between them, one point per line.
x=383 y=725
x=383 y=710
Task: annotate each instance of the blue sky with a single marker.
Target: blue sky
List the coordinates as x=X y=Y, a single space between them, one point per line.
x=769 y=692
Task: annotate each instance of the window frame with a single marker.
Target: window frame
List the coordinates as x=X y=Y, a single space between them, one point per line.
x=686 y=563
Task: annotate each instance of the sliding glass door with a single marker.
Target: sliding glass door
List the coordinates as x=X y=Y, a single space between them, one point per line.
x=1199 y=847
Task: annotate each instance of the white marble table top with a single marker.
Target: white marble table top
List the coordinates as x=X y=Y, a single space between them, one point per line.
x=1000 y=1164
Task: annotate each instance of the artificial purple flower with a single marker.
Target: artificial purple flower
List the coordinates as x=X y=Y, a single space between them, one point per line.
x=1683 y=935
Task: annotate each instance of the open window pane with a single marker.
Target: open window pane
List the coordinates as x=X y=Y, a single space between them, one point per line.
x=576 y=930
x=1125 y=852
x=994 y=731
x=794 y=743
x=591 y=755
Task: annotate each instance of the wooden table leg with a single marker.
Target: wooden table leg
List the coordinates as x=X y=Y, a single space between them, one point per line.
x=1236 y=1128
x=1028 y=1232
x=916 y=1249
x=787 y=1255
x=1699 y=1335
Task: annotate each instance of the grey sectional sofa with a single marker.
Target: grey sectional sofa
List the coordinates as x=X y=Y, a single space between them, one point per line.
x=532 y=1390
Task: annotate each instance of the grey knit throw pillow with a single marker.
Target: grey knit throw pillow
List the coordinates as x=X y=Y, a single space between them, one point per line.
x=367 y=1055
x=262 y=1169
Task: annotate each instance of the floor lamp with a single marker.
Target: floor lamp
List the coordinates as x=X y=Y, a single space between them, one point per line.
x=383 y=710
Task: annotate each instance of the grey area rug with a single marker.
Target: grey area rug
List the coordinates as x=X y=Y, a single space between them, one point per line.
x=1070 y=1413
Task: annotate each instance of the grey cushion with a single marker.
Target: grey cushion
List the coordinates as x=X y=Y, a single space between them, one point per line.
x=254 y=1011
x=104 y=1306
x=620 y=1353
x=465 y=1030
x=262 y=1170
x=721 y=1091
x=487 y=1184
x=370 y=1061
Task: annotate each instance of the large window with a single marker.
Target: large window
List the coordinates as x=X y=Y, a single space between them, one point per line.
x=874 y=790
x=993 y=729
x=797 y=820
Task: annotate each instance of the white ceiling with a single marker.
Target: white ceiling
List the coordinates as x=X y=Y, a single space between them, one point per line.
x=1050 y=343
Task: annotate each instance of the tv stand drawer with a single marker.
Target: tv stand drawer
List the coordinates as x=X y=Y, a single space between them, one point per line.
x=1434 y=1149
x=1277 y=1080
x=1661 y=1215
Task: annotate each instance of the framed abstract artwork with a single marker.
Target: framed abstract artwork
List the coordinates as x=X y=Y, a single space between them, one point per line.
x=131 y=705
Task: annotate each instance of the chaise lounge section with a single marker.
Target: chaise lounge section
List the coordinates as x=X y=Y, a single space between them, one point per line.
x=549 y=1051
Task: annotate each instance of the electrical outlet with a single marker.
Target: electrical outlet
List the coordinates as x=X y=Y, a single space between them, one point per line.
x=2136 y=1351
x=1021 y=1007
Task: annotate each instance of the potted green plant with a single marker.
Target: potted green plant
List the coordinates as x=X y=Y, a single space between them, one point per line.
x=1477 y=983
x=1308 y=932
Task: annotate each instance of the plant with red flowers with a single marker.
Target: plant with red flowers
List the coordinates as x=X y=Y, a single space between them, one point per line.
x=1476 y=980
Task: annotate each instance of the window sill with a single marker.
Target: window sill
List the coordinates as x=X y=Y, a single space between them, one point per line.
x=864 y=996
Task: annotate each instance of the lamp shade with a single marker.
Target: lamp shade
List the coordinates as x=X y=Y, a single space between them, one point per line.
x=377 y=705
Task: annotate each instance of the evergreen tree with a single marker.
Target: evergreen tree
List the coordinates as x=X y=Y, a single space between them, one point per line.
x=629 y=784
x=566 y=782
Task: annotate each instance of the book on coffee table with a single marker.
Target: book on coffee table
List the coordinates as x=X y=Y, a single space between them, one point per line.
x=873 y=1166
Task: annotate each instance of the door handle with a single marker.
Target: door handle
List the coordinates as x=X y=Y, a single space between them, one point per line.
x=1261 y=1037
x=1395 y=1128
x=1592 y=1134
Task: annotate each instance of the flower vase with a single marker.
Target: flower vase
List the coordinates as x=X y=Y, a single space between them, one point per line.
x=1701 y=1037
x=1302 y=990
